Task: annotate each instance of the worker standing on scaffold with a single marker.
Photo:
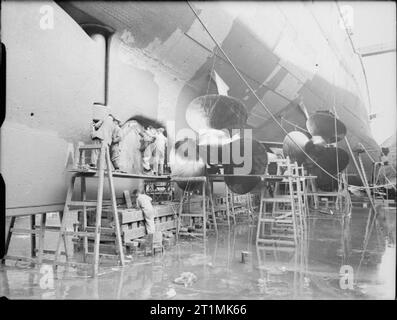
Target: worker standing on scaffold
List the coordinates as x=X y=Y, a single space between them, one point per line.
x=115 y=145
x=159 y=152
x=148 y=137
x=101 y=131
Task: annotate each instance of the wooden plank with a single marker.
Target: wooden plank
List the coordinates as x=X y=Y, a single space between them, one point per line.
x=187 y=179
x=29 y=210
x=42 y=236
x=36 y=230
x=82 y=203
x=90 y=147
x=276 y=241
x=105 y=231
x=139 y=232
x=134 y=215
x=25 y=231
x=204 y=209
x=33 y=236
x=285 y=199
x=45 y=251
x=101 y=176
x=64 y=218
x=108 y=238
x=165 y=210
x=127 y=198
x=130 y=215
x=9 y=234
x=198 y=214
x=90 y=173
x=119 y=241
x=134 y=233
x=79 y=233
x=107 y=255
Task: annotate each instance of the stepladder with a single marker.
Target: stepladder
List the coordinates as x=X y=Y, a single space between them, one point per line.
x=83 y=205
x=37 y=255
x=282 y=212
x=338 y=200
x=192 y=211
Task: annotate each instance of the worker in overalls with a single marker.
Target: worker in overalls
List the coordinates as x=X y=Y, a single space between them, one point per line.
x=149 y=137
x=144 y=202
x=115 y=145
x=159 y=152
x=101 y=130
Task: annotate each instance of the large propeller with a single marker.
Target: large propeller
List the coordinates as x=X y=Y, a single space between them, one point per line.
x=333 y=160
x=323 y=130
x=214 y=111
x=254 y=164
x=185 y=161
x=214 y=117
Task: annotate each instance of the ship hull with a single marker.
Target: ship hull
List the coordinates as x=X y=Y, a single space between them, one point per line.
x=160 y=59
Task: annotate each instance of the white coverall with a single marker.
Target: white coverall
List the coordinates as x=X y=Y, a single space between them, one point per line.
x=115 y=147
x=149 y=135
x=144 y=202
x=101 y=132
x=159 y=156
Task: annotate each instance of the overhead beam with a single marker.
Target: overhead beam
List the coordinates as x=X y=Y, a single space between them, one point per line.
x=377 y=49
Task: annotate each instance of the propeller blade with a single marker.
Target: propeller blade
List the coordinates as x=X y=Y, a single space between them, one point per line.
x=332 y=159
x=323 y=124
x=255 y=162
x=186 y=162
x=216 y=111
x=330 y=162
x=291 y=149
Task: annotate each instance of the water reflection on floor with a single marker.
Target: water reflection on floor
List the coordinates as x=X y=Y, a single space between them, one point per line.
x=309 y=271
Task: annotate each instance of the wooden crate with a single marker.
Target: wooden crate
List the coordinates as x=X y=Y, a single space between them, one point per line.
x=132 y=222
x=138 y=232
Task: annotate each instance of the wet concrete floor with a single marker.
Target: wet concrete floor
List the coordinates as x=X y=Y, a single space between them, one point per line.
x=310 y=271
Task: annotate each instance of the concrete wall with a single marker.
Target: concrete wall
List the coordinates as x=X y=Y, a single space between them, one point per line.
x=51 y=83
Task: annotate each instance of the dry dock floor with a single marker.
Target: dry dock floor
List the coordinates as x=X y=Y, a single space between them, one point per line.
x=305 y=272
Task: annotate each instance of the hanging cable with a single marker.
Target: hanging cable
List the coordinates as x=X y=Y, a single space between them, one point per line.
x=254 y=93
x=336 y=130
x=294 y=124
x=211 y=71
x=336 y=135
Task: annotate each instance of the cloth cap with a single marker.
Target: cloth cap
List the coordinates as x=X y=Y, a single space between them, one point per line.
x=100 y=111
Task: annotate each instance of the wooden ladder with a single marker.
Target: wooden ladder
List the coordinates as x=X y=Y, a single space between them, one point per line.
x=229 y=199
x=206 y=191
x=82 y=173
x=340 y=198
x=281 y=216
x=36 y=255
